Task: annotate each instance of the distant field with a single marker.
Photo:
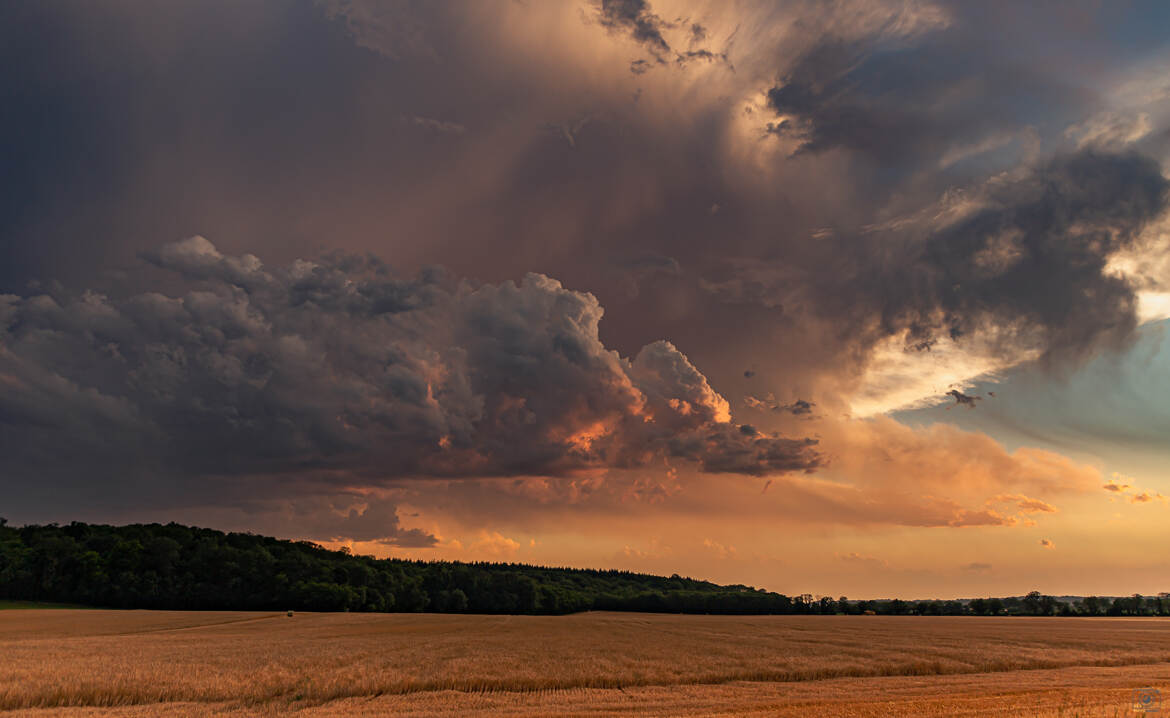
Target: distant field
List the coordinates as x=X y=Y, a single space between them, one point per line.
x=26 y=605
x=161 y=663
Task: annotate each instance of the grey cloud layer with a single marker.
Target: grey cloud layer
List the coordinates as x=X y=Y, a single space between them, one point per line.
x=340 y=370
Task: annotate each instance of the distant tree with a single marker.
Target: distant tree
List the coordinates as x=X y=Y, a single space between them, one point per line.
x=1032 y=603
x=979 y=607
x=995 y=606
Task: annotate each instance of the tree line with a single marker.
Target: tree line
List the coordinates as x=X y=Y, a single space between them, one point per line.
x=180 y=567
x=185 y=568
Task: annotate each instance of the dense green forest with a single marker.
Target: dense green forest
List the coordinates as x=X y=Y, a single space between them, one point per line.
x=180 y=567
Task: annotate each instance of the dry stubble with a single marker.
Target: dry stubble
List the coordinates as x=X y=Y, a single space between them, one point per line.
x=80 y=663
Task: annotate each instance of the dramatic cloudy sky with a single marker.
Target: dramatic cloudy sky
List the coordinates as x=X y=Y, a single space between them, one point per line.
x=865 y=298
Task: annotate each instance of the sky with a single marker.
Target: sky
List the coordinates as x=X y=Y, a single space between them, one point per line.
x=865 y=298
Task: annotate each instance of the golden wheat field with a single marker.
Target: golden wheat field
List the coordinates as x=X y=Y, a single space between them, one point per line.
x=162 y=663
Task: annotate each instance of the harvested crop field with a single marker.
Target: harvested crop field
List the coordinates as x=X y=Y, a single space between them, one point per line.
x=146 y=663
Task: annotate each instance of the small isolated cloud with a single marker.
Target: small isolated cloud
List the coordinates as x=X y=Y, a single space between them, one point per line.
x=1026 y=505
x=964 y=399
x=1047 y=543
x=493 y=543
x=1119 y=487
x=1033 y=506
x=799 y=407
x=977 y=567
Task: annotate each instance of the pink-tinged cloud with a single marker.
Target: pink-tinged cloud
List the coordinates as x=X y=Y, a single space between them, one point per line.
x=939 y=475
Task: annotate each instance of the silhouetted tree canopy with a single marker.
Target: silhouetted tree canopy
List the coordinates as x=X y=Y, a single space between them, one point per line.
x=181 y=567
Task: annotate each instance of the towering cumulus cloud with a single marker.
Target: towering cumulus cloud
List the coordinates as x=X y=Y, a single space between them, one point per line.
x=341 y=370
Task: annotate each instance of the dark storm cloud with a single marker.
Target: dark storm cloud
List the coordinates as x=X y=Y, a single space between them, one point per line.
x=340 y=370
x=1022 y=260
x=1034 y=257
